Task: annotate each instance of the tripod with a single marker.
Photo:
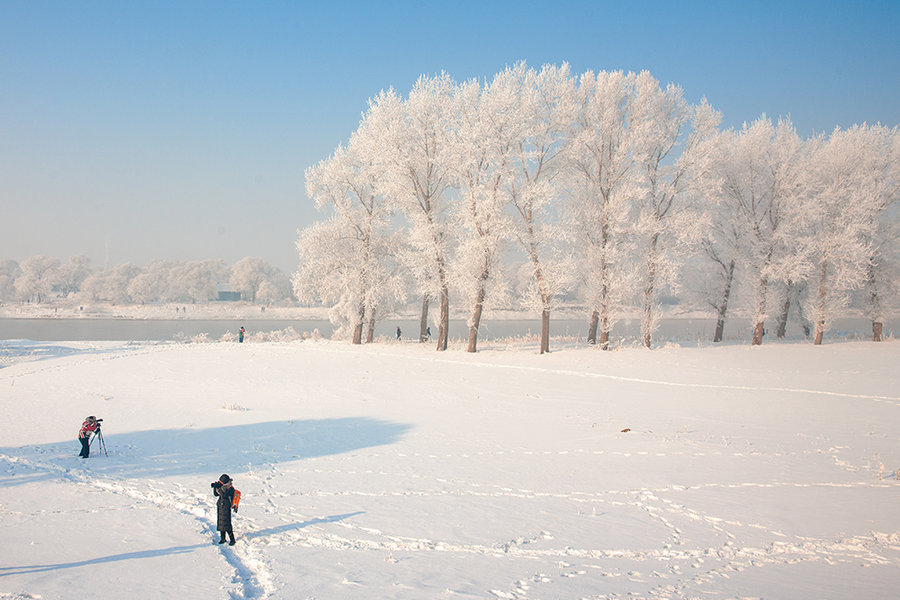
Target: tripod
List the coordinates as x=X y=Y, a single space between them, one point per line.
x=101 y=443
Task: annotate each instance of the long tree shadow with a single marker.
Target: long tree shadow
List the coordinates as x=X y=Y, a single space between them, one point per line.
x=292 y=526
x=176 y=452
x=26 y=569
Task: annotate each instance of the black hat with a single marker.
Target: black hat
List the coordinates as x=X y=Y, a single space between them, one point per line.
x=224 y=478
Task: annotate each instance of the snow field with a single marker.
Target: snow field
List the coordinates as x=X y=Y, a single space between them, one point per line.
x=398 y=472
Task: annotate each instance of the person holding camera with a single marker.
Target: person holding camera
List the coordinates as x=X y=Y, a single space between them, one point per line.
x=228 y=500
x=90 y=426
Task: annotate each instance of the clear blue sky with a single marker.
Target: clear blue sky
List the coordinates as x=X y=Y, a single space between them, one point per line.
x=135 y=130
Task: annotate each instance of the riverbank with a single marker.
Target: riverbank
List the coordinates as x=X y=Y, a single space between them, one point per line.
x=168 y=311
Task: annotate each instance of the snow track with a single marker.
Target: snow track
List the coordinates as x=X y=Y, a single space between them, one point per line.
x=251 y=578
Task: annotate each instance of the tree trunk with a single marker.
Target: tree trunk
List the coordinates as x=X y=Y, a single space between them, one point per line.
x=444 y=324
x=759 y=328
x=545 y=330
x=370 y=335
x=599 y=322
x=723 y=305
x=604 y=332
x=781 y=325
x=874 y=301
x=545 y=300
x=604 y=309
x=423 y=320
x=820 y=318
x=473 y=329
x=649 y=292
x=358 y=327
x=476 y=315
x=592 y=327
x=605 y=277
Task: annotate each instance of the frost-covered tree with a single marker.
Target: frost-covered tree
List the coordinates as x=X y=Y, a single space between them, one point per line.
x=110 y=285
x=9 y=272
x=721 y=248
x=361 y=274
x=839 y=216
x=760 y=176
x=39 y=276
x=488 y=129
x=197 y=281
x=880 y=181
x=329 y=271
x=151 y=284
x=601 y=180
x=72 y=275
x=276 y=289
x=248 y=274
x=548 y=106
x=666 y=223
x=408 y=147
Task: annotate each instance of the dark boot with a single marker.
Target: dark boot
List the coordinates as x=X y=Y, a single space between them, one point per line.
x=222 y=539
x=231 y=535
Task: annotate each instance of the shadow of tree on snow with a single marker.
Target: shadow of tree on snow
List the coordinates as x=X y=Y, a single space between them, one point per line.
x=177 y=452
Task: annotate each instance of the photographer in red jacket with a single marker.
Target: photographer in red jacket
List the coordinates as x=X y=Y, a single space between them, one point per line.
x=90 y=426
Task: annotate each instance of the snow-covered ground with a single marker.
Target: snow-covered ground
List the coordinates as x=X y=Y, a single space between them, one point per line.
x=393 y=471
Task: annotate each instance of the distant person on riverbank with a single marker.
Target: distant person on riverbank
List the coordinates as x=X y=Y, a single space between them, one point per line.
x=398 y=333
x=241 y=335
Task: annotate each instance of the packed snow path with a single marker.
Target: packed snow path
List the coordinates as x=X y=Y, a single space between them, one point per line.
x=393 y=471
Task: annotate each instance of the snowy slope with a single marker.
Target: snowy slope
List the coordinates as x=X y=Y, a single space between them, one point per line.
x=393 y=471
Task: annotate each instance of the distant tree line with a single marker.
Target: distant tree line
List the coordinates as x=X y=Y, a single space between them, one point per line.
x=40 y=279
x=539 y=186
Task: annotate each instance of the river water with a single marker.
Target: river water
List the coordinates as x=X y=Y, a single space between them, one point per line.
x=675 y=329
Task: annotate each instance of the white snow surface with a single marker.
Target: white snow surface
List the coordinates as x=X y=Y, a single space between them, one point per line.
x=394 y=471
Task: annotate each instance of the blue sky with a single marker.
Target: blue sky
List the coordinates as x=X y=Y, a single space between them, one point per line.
x=131 y=131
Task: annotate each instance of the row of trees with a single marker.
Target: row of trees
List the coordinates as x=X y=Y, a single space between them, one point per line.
x=40 y=279
x=607 y=186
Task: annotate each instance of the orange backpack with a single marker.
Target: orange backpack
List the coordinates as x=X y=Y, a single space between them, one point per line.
x=237 y=498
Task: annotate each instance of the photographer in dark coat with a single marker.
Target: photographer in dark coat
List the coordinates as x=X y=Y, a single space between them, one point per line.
x=227 y=502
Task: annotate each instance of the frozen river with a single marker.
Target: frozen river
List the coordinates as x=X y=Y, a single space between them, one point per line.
x=675 y=329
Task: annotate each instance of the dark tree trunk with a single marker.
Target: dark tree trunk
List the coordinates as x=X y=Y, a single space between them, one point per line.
x=360 y=320
x=592 y=327
x=649 y=292
x=545 y=331
x=723 y=305
x=476 y=322
x=874 y=301
x=444 y=324
x=759 y=328
x=370 y=335
x=599 y=322
x=781 y=324
x=423 y=320
x=820 y=318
